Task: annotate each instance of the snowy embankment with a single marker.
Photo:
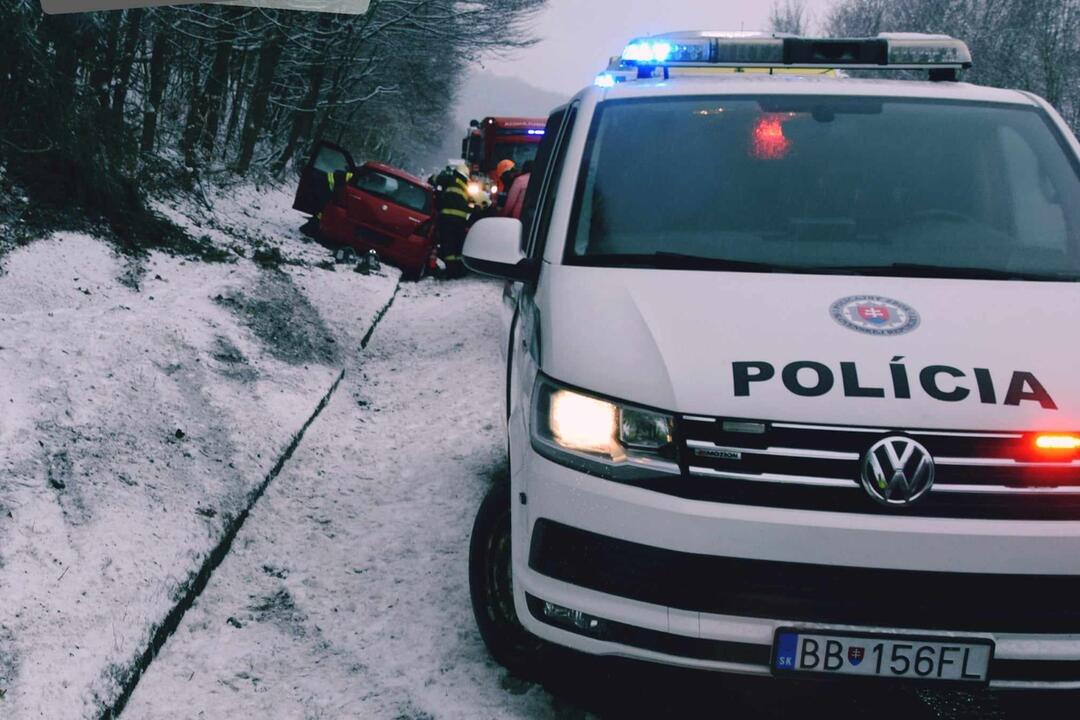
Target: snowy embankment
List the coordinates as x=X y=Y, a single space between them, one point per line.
x=346 y=594
x=142 y=403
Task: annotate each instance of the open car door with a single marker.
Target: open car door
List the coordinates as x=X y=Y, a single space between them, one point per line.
x=313 y=192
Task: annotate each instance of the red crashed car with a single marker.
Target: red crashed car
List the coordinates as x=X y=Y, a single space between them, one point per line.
x=371 y=207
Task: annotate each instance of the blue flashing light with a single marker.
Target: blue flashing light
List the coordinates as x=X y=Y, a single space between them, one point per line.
x=604 y=80
x=536 y=132
x=647 y=51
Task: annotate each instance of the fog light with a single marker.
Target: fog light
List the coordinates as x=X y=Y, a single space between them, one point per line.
x=573 y=619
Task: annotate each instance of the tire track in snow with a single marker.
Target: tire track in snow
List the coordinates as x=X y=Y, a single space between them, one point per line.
x=378 y=318
x=130 y=676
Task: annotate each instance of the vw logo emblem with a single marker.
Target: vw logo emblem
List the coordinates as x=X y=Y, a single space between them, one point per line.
x=897 y=471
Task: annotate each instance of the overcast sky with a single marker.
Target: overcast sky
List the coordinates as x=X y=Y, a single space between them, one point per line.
x=578 y=36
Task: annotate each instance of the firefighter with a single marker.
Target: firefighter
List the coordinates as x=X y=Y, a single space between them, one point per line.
x=453 y=223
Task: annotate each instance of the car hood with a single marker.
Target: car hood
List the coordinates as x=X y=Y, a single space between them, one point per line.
x=984 y=355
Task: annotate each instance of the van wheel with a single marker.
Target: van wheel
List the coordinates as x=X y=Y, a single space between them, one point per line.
x=490 y=584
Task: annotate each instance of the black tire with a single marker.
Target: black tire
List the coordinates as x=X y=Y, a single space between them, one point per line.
x=414 y=275
x=491 y=587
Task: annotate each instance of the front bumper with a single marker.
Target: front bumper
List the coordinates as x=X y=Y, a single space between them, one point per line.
x=706 y=585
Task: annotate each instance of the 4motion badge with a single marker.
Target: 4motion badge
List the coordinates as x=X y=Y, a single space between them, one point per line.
x=718 y=453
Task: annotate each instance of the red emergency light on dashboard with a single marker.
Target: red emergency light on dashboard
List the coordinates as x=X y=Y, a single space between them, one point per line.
x=768 y=141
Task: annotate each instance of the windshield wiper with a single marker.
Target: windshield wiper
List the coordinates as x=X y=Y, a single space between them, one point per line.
x=949 y=271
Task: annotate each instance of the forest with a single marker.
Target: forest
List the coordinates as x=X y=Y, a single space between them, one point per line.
x=101 y=110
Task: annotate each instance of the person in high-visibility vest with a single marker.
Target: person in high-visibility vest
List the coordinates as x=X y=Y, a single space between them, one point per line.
x=331 y=181
x=453 y=222
x=311 y=227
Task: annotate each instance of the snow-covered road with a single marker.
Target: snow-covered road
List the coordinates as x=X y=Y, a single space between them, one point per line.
x=345 y=595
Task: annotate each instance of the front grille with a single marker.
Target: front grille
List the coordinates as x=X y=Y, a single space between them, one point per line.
x=802 y=592
x=978 y=474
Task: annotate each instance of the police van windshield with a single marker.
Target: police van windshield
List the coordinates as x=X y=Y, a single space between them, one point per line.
x=829 y=184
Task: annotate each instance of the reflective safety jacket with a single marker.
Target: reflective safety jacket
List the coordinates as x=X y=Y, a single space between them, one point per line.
x=454 y=199
x=330 y=179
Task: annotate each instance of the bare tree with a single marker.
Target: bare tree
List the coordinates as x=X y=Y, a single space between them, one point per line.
x=157 y=78
x=789 y=16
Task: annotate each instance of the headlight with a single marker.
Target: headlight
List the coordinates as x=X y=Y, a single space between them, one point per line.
x=600 y=436
x=645 y=430
x=475 y=188
x=580 y=422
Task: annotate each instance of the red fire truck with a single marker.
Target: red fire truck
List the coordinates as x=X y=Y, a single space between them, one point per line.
x=494 y=139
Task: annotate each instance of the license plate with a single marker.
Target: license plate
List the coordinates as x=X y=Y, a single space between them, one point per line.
x=882 y=656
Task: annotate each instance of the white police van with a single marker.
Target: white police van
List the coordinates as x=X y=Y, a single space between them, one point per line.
x=793 y=371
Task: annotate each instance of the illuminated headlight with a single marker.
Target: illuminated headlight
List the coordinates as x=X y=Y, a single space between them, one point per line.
x=475 y=188
x=601 y=436
x=580 y=422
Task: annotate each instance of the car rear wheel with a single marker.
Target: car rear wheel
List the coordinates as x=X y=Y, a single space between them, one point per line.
x=492 y=590
x=414 y=274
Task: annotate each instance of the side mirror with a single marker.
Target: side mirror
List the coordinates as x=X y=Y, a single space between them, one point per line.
x=493 y=247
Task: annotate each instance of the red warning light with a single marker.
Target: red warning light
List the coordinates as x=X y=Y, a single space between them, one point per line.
x=768 y=141
x=1058 y=442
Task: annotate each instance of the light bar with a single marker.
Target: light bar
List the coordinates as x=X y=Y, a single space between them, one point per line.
x=894 y=51
x=672 y=48
x=927 y=51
